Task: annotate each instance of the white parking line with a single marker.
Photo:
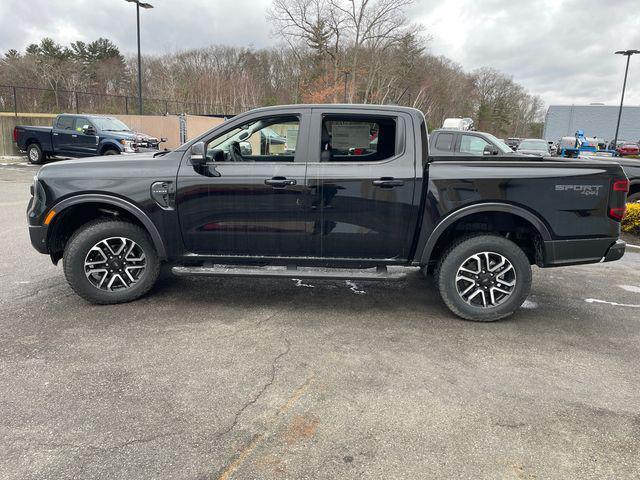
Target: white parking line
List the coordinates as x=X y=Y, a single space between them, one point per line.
x=615 y=304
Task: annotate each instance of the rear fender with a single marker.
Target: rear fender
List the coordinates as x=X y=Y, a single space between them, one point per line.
x=538 y=224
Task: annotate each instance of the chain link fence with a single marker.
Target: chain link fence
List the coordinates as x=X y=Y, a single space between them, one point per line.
x=41 y=100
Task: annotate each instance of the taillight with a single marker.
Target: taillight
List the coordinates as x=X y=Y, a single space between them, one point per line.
x=618 y=213
x=15 y=134
x=618 y=198
x=621 y=185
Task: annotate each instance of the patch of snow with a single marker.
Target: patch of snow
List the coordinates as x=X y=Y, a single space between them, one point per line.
x=354 y=288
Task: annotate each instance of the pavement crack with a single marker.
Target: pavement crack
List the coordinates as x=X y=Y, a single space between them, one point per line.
x=256 y=397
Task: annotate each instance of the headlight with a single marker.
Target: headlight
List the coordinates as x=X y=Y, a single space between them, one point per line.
x=38 y=200
x=129 y=145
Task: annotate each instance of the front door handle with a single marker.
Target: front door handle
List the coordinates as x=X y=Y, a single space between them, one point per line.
x=279 y=182
x=387 y=182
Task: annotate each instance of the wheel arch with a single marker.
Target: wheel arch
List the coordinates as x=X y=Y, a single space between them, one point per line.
x=448 y=224
x=101 y=204
x=109 y=145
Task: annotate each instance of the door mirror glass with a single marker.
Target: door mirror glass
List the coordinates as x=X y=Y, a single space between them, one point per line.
x=197 y=156
x=490 y=150
x=245 y=148
x=88 y=130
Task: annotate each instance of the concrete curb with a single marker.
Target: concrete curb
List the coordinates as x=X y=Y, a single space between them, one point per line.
x=633 y=248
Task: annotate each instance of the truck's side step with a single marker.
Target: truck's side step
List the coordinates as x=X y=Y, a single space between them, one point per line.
x=380 y=273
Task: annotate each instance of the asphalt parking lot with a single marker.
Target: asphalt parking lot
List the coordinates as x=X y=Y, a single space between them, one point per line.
x=219 y=378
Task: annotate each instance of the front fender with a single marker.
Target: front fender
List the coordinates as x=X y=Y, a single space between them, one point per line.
x=108 y=144
x=125 y=205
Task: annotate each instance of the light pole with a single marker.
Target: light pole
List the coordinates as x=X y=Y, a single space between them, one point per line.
x=346 y=75
x=628 y=54
x=138 y=5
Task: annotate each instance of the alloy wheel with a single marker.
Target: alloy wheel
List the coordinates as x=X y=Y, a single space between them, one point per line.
x=485 y=279
x=115 y=263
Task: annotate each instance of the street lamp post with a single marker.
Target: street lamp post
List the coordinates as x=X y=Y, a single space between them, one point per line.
x=138 y=5
x=628 y=54
x=346 y=75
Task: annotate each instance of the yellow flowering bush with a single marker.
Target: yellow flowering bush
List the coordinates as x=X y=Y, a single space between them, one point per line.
x=631 y=221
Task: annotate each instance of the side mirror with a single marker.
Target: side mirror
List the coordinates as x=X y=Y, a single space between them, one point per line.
x=88 y=130
x=245 y=148
x=197 y=154
x=163 y=139
x=490 y=150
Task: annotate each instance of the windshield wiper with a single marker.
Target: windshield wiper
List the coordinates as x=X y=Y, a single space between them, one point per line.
x=159 y=154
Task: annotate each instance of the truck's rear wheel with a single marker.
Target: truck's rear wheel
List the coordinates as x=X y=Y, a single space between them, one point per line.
x=484 y=278
x=34 y=154
x=109 y=261
x=633 y=198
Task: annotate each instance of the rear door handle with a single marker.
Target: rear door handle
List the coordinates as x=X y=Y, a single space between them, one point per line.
x=387 y=182
x=55 y=134
x=279 y=182
x=74 y=136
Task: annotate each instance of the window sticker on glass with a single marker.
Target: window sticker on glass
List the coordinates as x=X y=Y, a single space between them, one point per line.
x=351 y=136
x=292 y=138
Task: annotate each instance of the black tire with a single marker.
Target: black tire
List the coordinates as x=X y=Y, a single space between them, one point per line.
x=456 y=256
x=111 y=151
x=633 y=198
x=85 y=238
x=35 y=154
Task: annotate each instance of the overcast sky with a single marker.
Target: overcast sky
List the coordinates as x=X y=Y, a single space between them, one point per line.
x=559 y=49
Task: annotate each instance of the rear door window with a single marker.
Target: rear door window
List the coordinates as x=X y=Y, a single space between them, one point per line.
x=444 y=142
x=357 y=139
x=65 y=123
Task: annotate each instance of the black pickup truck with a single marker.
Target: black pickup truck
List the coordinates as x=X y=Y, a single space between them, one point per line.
x=81 y=136
x=345 y=192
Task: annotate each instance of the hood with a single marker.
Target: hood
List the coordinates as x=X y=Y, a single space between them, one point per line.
x=143 y=137
x=533 y=152
x=122 y=164
x=135 y=136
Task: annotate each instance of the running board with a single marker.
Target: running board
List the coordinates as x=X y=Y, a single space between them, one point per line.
x=380 y=273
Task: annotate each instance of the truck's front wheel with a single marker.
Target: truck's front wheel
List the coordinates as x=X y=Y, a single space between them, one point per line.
x=484 y=278
x=109 y=261
x=35 y=154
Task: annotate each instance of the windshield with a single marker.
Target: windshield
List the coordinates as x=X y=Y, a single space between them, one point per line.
x=503 y=147
x=540 y=145
x=109 y=124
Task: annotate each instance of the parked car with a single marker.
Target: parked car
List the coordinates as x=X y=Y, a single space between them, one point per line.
x=631 y=167
x=451 y=142
x=81 y=136
x=513 y=142
x=628 y=148
x=310 y=212
x=534 y=146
